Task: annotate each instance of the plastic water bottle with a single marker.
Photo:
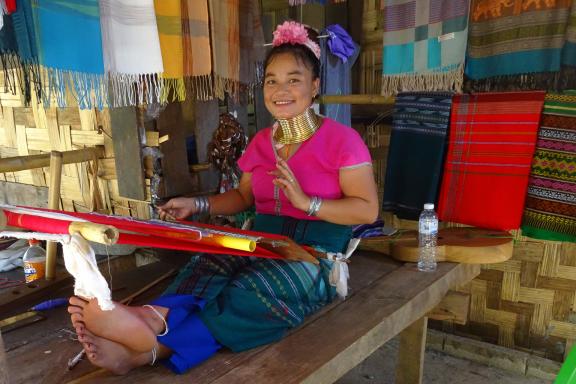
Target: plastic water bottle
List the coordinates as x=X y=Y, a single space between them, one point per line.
x=34 y=261
x=427 y=236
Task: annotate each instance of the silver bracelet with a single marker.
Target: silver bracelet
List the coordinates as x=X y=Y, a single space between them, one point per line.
x=202 y=205
x=315 y=204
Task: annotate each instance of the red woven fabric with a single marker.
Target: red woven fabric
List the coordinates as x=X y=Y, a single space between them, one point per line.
x=491 y=143
x=10 y=6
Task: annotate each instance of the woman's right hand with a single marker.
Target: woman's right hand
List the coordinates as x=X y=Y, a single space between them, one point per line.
x=178 y=207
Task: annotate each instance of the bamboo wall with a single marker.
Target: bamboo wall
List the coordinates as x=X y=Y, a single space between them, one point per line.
x=527 y=303
x=33 y=130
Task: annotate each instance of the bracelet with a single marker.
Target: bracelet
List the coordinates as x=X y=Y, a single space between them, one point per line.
x=202 y=205
x=315 y=204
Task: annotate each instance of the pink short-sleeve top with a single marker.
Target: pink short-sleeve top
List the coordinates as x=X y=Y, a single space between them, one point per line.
x=316 y=165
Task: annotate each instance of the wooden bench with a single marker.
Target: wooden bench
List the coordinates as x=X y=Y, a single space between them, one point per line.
x=387 y=298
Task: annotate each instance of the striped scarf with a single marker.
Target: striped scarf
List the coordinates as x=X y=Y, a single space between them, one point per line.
x=526 y=44
x=169 y=20
x=68 y=38
x=197 y=50
x=550 y=212
x=491 y=144
x=132 y=57
x=225 y=38
x=424 y=45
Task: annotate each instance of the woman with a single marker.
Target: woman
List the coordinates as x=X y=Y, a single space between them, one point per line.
x=310 y=178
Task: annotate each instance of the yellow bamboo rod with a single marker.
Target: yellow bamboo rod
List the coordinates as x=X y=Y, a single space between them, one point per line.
x=98 y=233
x=356 y=99
x=22 y=163
x=56 y=160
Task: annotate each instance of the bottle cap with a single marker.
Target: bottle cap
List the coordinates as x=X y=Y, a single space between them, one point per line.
x=32 y=242
x=429 y=206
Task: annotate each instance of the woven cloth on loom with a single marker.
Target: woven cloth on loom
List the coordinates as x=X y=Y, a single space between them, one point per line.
x=424 y=45
x=197 y=51
x=550 y=212
x=225 y=37
x=169 y=21
x=251 y=41
x=416 y=152
x=69 y=42
x=491 y=143
x=132 y=56
x=521 y=45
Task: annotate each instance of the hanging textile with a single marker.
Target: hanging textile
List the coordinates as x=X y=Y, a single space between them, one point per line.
x=491 y=142
x=424 y=45
x=416 y=152
x=225 y=38
x=132 y=57
x=10 y=6
x=336 y=79
x=169 y=21
x=25 y=34
x=197 y=50
x=11 y=65
x=68 y=37
x=251 y=43
x=550 y=212
x=521 y=45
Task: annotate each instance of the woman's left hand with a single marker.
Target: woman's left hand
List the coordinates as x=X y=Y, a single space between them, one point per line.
x=288 y=183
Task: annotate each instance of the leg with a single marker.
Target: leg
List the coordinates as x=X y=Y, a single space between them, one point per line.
x=134 y=327
x=409 y=368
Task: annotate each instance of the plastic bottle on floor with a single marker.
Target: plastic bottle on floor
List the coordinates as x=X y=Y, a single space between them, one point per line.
x=427 y=237
x=34 y=261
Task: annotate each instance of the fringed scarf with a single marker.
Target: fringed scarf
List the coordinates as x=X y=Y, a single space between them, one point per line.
x=416 y=154
x=225 y=38
x=251 y=43
x=424 y=45
x=169 y=20
x=197 y=50
x=69 y=41
x=491 y=143
x=132 y=56
x=10 y=62
x=23 y=22
x=550 y=212
x=516 y=45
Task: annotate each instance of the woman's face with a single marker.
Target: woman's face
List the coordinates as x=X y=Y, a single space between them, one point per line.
x=289 y=86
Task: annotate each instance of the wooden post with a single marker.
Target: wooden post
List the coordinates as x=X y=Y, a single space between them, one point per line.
x=53 y=203
x=410 y=365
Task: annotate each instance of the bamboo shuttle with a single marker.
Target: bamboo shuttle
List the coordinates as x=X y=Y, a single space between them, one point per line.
x=240 y=244
x=98 y=233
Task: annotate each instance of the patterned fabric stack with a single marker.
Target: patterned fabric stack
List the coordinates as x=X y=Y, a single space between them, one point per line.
x=416 y=154
x=491 y=144
x=424 y=45
x=526 y=44
x=550 y=212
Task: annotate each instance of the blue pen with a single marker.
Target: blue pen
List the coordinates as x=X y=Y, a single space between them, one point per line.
x=50 y=304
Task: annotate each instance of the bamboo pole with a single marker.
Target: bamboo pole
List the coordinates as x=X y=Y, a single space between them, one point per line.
x=22 y=163
x=356 y=99
x=56 y=160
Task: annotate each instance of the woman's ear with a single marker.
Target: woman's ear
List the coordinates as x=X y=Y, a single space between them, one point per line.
x=315 y=87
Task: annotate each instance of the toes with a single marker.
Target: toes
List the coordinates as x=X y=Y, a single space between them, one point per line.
x=74 y=309
x=76 y=318
x=77 y=302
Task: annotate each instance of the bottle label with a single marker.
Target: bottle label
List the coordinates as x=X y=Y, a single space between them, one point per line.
x=428 y=227
x=34 y=270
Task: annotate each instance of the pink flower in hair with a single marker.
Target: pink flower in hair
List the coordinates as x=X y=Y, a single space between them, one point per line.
x=291 y=32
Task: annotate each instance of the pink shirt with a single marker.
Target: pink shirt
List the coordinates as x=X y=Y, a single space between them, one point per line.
x=316 y=165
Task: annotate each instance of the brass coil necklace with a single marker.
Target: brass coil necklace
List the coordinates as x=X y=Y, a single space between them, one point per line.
x=297 y=129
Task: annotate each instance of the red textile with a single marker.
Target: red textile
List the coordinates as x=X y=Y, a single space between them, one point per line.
x=491 y=143
x=143 y=233
x=10 y=6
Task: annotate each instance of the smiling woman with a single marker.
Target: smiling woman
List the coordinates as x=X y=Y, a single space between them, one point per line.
x=309 y=177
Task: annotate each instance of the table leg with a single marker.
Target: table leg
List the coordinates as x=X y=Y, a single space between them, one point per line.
x=410 y=365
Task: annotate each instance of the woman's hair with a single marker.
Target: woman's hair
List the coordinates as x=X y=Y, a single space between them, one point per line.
x=301 y=53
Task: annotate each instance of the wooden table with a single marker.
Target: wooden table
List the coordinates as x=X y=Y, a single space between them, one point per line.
x=387 y=298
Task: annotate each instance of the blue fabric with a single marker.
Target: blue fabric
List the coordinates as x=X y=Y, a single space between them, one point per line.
x=544 y=60
x=336 y=80
x=188 y=338
x=340 y=42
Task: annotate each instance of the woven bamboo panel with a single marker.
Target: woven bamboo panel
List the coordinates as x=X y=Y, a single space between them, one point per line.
x=34 y=129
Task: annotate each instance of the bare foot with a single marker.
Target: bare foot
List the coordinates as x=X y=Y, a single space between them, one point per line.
x=112 y=356
x=134 y=327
